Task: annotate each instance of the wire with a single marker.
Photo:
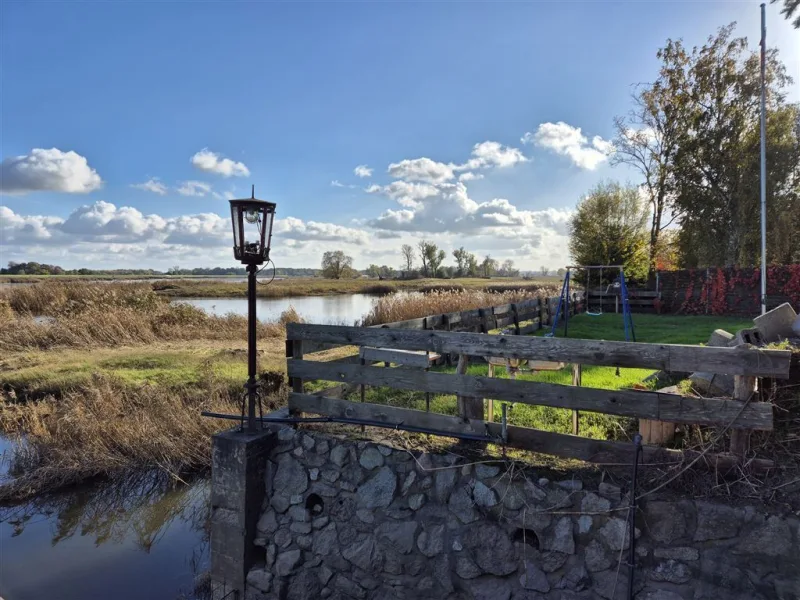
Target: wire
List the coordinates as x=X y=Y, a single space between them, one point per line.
x=274 y=270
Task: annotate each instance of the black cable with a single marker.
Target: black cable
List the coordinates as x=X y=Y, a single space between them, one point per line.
x=274 y=270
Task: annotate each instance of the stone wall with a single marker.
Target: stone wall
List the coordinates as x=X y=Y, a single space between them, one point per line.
x=344 y=519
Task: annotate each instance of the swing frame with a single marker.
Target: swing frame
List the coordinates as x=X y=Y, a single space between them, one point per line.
x=563 y=300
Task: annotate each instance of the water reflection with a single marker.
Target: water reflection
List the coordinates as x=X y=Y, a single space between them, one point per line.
x=140 y=537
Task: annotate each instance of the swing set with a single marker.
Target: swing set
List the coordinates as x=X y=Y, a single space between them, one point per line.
x=617 y=288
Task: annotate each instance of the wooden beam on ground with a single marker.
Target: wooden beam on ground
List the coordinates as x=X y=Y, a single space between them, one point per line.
x=667 y=357
x=627 y=403
x=535 y=440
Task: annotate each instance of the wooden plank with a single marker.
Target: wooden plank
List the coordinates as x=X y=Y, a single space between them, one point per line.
x=743 y=390
x=628 y=403
x=469 y=407
x=576 y=381
x=407 y=358
x=556 y=444
x=667 y=357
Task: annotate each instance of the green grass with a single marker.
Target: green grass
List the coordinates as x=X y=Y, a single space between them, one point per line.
x=649 y=328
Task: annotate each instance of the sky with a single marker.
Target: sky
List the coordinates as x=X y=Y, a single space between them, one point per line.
x=126 y=126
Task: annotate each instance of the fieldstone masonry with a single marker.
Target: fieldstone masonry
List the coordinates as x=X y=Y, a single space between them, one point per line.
x=344 y=519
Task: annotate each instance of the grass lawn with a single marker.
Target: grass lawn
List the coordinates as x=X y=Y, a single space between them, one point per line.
x=649 y=328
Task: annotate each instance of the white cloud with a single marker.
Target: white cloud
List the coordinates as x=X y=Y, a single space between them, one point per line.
x=300 y=230
x=493 y=154
x=568 y=141
x=204 y=229
x=151 y=185
x=194 y=188
x=362 y=171
x=337 y=183
x=470 y=176
x=48 y=170
x=212 y=162
x=406 y=193
x=25 y=230
x=421 y=169
x=102 y=221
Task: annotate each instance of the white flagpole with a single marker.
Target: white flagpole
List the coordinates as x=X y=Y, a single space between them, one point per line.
x=763 y=160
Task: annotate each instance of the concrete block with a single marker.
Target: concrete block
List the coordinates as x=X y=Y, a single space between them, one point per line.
x=796 y=326
x=720 y=337
x=751 y=336
x=712 y=384
x=776 y=324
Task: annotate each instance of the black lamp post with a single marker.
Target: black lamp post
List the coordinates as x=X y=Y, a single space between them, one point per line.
x=252 y=234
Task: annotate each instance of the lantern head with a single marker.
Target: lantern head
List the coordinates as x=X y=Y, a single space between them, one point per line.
x=252 y=229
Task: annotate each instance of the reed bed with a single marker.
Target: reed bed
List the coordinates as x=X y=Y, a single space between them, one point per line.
x=106 y=429
x=401 y=307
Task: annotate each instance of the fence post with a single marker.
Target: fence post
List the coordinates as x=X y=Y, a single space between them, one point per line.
x=468 y=406
x=744 y=387
x=515 y=316
x=490 y=401
x=576 y=381
x=296 y=353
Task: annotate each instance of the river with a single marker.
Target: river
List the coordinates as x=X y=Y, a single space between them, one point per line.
x=342 y=309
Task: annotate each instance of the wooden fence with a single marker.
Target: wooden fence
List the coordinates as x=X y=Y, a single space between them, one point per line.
x=741 y=413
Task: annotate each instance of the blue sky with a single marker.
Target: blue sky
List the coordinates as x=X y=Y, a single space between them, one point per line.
x=148 y=115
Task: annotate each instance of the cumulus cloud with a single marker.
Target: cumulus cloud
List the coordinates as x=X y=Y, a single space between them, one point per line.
x=102 y=221
x=421 y=169
x=362 y=171
x=212 y=162
x=151 y=185
x=300 y=230
x=25 y=230
x=50 y=170
x=405 y=193
x=568 y=141
x=470 y=176
x=493 y=154
x=194 y=188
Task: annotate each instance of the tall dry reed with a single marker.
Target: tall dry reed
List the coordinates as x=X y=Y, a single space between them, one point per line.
x=401 y=307
x=107 y=428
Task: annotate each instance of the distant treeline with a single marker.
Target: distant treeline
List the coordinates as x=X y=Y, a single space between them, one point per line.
x=35 y=268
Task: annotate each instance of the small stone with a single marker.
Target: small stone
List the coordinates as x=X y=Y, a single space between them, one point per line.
x=571 y=485
x=385 y=450
x=466 y=470
x=553 y=561
x=331 y=475
x=512 y=496
x=349 y=588
x=313 y=474
x=772 y=539
x=339 y=455
x=399 y=536
x=298 y=513
x=301 y=528
x=677 y=553
x=490 y=588
x=543 y=482
x=322 y=447
x=347 y=534
x=324 y=573
x=286 y=434
x=444 y=481
x=378 y=491
x=286 y=562
x=272 y=552
x=533 y=578
x=323 y=489
x=457 y=547
x=592 y=503
x=298 y=452
x=616 y=535
x=283 y=537
x=671 y=571
x=415 y=501
x=304 y=541
x=308 y=442
x=425 y=584
x=365 y=516
x=534 y=491
x=559 y=498
x=492 y=549
x=483 y=495
x=584 y=524
x=364 y=554
x=610 y=491
x=267 y=523
x=290 y=477
x=576 y=579
x=461 y=505
x=347 y=486
x=714 y=522
x=409 y=481
x=279 y=503
x=426 y=483
x=296 y=499
x=596 y=557
x=371 y=458
x=319 y=522
x=562 y=539
x=466 y=569
x=431 y=541
x=261 y=579
x=325 y=540
x=484 y=471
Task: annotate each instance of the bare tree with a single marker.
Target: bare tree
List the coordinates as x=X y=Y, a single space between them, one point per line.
x=544 y=270
x=408 y=256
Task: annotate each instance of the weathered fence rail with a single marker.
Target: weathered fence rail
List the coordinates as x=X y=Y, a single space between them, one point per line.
x=739 y=413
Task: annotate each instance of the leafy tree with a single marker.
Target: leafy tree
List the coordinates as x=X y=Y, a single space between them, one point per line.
x=373 y=271
x=473 y=268
x=648 y=138
x=507 y=268
x=336 y=264
x=561 y=272
x=408 y=257
x=668 y=251
x=488 y=266
x=788 y=10
x=463 y=259
x=386 y=272
x=609 y=227
x=717 y=164
x=431 y=257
